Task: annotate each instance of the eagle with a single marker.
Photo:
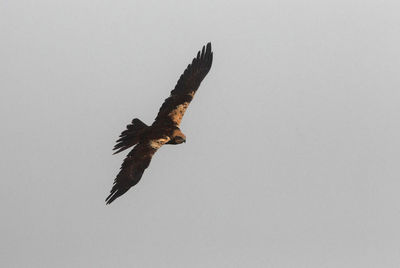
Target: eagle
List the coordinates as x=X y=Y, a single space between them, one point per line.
x=164 y=130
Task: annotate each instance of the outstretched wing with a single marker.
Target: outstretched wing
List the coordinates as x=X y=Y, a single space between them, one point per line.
x=133 y=167
x=174 y=107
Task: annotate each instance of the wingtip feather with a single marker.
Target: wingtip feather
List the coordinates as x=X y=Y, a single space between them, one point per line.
x=208 y=48
x=114 y=194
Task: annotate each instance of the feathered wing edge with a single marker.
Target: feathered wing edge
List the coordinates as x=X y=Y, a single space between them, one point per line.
x=195 y=72
x=132 y=169
x=174 y=107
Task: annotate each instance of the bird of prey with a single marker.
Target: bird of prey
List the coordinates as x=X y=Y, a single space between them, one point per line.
x=164 y=130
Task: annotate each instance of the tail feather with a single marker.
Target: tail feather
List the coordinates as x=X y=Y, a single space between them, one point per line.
x=130 y=136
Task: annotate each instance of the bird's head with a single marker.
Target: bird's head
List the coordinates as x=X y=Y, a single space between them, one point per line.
x=178 y=137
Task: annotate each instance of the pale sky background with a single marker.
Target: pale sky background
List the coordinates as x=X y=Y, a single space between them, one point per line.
x=292 y=153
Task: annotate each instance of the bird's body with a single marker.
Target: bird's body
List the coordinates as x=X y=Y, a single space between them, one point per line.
x=164 y=130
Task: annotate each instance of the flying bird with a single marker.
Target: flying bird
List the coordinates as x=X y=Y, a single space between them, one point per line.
x=164 y=130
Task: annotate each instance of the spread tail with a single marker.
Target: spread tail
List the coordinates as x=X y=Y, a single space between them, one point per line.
x=130 y=136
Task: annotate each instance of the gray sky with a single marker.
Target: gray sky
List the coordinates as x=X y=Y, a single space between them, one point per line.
x=292 y=145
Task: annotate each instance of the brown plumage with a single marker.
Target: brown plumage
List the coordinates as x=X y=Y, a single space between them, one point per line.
x=165 y=128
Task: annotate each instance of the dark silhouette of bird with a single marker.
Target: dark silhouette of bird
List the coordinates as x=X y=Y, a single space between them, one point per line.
x=165 y=128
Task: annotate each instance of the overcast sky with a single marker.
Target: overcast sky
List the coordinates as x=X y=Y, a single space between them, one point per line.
x=292 y=153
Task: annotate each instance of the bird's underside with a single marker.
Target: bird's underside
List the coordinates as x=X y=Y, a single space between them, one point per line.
x=165 y=128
